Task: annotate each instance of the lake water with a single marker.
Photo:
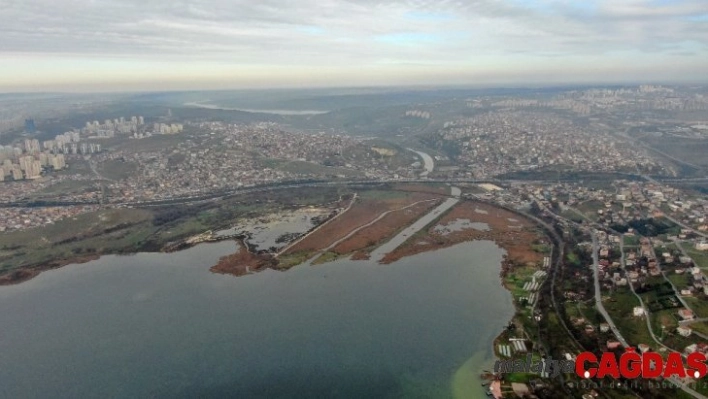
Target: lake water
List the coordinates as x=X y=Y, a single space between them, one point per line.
x=162 y=325
x=259 y=111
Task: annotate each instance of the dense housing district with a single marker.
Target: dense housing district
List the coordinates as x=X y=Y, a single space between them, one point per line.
x=612 y=179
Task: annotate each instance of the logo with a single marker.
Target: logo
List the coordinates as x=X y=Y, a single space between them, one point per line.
x=630 y=365
x=633 y=365
x=549 y=367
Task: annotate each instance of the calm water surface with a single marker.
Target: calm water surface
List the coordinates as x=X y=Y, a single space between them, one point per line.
x=162 y=325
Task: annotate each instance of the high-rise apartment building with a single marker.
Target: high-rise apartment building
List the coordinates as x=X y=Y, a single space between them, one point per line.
x=29 y=126
x=34 y=170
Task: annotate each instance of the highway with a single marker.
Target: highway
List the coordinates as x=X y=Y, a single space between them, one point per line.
x=217 y=195
x=221 y=194
x=598 y=292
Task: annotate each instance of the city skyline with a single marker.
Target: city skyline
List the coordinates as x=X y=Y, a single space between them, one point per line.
x=107 y=45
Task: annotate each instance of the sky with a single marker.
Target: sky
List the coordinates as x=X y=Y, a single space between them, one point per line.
x=129 y=45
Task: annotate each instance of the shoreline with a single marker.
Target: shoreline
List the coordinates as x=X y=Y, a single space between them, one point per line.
x=480 y=365
x=509 y=230
x=27 y=273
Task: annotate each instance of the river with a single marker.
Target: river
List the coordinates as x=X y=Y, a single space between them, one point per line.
x=428 y=163
x=162 y=325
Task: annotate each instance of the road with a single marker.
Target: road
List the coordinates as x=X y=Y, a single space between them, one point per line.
x=641 y=302
x=615 y=330
x=671 y=218
x=222 y=194
x=647 y=317
x=677 y=292
x=292 y=244
x=419 y=224
x=680 y=248
x=640 y=143
x=598 y=292
x=696 y=232
x=356 y=230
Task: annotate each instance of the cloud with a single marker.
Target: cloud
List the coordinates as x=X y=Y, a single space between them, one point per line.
x=350 y=32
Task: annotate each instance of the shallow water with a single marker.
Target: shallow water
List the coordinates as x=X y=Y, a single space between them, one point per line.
x=162 y=325
x=460 y=225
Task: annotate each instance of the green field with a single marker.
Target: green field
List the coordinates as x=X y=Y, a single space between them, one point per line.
x=700 y=258
x=516 y=279
x=117 y=170
x=632 y=241
x=86 y=234
x=76 y=166
x=292 y=259
x=679 y=280
x=573 y=258
x=66 y=186
x=383 y=195
x=701 y=327
x=328 y=256
x=664 y=322
x=620 y=308
x=576 y=217
x=111 y=231
x=698 y=304
x=590 y=208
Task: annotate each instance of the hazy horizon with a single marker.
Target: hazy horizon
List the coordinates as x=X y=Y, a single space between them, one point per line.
x=131 y=46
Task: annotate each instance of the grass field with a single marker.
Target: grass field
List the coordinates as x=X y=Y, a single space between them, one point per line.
x=76 y=166
x=309 y=168
x=106 y=230
x=574 y=216
x=679 y=280
x=701 y=327
x=620 y=308
x=700 y=258
x=699 y=305
x=573 y=258
x=383 y=195
x=67 y=228
x=130 y=230
x=292 y=259
x=117 y=170
x=664 y=322
x=678 y=342
x=67 y=186
x=516 y=280
x=632 y=241
x=326 y=257
x=590 y=208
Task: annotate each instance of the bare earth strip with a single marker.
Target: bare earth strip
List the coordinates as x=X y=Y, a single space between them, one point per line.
x=380 y=228
x=381 y=252
x=287 y=248
x=363 y=212
x=510 y=231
